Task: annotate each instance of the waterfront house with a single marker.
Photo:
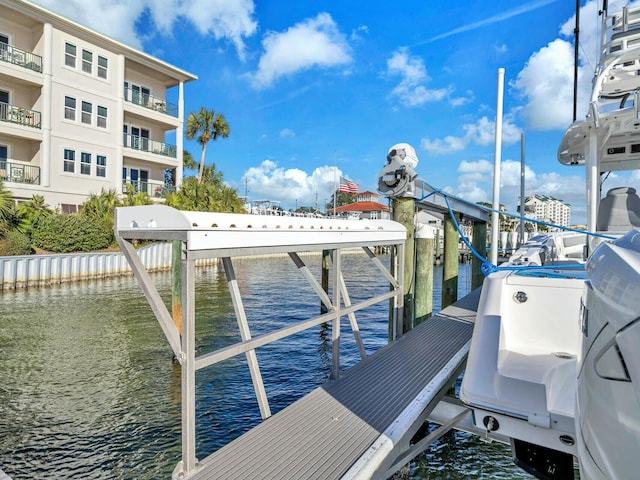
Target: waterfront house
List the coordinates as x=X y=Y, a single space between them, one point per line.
x=80 y=112
x=366 y=205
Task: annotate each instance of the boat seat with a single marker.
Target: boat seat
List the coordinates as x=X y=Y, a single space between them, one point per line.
x=619 y=210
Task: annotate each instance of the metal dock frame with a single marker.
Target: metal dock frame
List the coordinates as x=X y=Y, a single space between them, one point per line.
x=214 y=235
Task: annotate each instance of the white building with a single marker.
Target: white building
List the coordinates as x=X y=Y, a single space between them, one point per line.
x=548 y=209
x=80 y=112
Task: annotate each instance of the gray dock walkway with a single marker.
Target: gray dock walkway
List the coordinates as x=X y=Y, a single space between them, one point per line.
x=356 y=426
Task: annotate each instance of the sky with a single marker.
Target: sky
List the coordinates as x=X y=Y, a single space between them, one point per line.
x=316 y=90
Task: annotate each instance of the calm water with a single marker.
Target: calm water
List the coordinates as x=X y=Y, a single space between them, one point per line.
x=89 y=389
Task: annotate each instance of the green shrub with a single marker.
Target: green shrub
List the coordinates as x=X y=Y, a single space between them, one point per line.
x=71 y=233
x=15 y=243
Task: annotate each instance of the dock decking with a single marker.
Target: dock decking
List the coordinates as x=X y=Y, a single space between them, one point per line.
x=356 y=426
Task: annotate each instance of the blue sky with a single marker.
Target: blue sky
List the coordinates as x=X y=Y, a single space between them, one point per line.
x=311 y=87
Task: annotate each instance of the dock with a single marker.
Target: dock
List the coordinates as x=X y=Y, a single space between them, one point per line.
x=356 y=426
x=360 y=423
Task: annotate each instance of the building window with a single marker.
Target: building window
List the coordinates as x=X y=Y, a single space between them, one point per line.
x=85 y=163
x=69 y=160
x=87 y=61
x=102 y=117
x=70 y=55
x=68 y=208
x=101 y=166
x=69 y=108
x=86 y=113
x=103 y=65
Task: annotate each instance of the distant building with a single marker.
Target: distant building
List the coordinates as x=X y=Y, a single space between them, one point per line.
x=80 y=112
x=548 y=209
x=365 y=206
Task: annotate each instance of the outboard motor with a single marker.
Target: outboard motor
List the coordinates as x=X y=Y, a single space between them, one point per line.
x=608 y=389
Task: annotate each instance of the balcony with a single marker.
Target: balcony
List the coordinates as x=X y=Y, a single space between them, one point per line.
x=22 y=58
x=151 y=188
x=18 y=115
x=19 y=173
x=149 y=101
x=151 y=146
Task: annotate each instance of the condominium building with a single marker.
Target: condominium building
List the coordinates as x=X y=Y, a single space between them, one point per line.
x=81 y=112
x=548 y=209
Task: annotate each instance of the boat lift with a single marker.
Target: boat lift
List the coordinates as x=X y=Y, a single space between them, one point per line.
x=360 y=423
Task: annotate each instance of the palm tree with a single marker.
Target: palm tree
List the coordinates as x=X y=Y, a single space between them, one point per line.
x=101 y=206
x=204 y=126
x=7 y=209
x=30 y=212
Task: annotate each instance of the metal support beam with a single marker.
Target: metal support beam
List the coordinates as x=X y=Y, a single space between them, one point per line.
x=352 y=318
x=245 y=334
x=189 y=460
x=335 y=330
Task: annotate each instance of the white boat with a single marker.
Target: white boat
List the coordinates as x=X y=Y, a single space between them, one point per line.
x=554 y=362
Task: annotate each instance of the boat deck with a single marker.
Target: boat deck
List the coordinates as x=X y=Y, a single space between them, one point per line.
x=356 y=426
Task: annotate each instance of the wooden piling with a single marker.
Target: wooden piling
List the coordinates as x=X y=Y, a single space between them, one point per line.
x=424 y=273
x=324 y=278
x=450 y=264
x=403 y=212
x=479 y=244
x=176 y=284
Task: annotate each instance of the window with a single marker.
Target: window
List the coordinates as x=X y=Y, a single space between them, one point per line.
x=4 y=46
x=103 y=65
x=69 y=108
x=101 y=166
x=87 y=61
x=102 y=117
x=86 y=113
x=85 y=163
x=70 y=55
x=69 y=160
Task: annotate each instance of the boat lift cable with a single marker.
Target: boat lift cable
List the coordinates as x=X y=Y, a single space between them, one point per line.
x=488 y=267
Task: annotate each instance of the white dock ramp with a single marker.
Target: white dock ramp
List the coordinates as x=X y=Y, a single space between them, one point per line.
x=356 y=425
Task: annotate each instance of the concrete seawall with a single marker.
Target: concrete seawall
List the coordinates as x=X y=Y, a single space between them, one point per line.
x=23 y=271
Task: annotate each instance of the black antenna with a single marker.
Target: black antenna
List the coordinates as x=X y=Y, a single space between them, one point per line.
x=576 y=34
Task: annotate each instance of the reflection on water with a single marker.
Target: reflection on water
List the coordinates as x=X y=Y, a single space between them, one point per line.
x=89 y=389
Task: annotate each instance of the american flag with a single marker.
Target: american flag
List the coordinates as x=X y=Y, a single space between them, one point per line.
x=347 y=186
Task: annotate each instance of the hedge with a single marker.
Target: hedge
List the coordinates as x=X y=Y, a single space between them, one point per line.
x=62 y=233
x=15 y=243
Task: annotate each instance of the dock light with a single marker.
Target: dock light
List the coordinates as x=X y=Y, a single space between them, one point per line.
x=397 y=176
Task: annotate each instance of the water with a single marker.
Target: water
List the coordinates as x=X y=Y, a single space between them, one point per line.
x=89 y=389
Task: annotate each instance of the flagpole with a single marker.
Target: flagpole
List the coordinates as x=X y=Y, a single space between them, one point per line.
x=335 y=184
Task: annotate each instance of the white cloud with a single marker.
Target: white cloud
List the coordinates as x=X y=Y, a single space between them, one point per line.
x=315 y=42
x=356 y=33
x=480 y=133
x=287 y=133
x=546 y=82
x=448 y=144
x=460 y=101
x=411 y=91
x=224 y=19
x=290 y=186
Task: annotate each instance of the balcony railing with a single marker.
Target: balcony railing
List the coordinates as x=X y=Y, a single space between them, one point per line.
x=151 y=146
x=11 y=54
x=153 y=189
x=21 y=116
x=149 y=101
x=19 y=173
